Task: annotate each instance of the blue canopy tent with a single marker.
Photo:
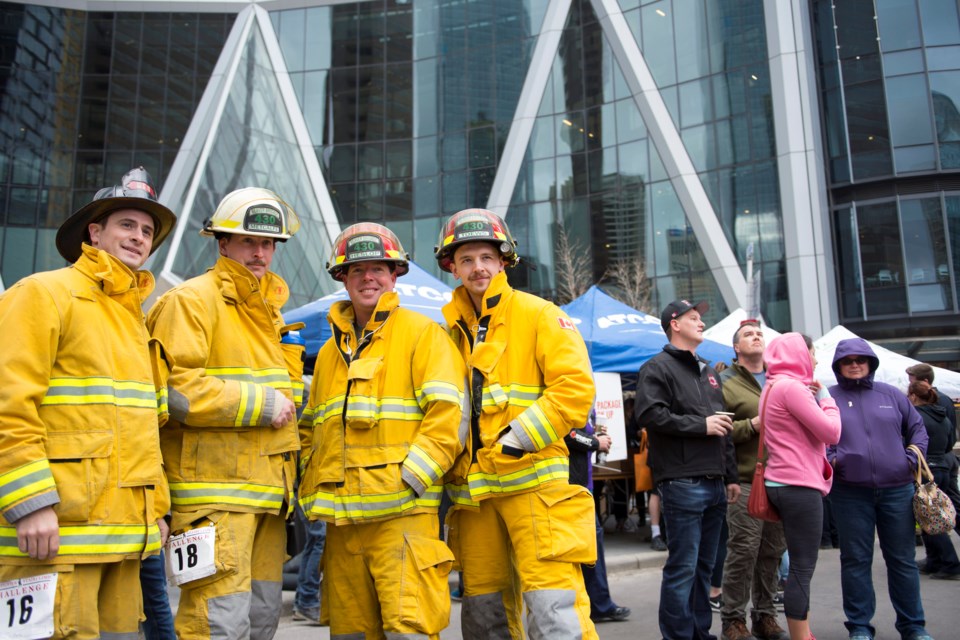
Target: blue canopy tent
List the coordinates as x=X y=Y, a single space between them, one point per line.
x=620 y=339
x=418 y=290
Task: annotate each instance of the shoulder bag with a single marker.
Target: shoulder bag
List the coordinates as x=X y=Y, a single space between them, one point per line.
x=932 y=508
x=759 y=505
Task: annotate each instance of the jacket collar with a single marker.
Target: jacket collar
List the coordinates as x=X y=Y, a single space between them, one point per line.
x=742 y=372
x=114 y=276
x=341 y=314
x=494 y=300
x=686 y=357
x=237 y=283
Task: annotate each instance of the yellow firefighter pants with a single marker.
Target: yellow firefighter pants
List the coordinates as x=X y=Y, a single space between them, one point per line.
x=243 y=598
x=387 y=577
x=543 y=537
x=92 y=600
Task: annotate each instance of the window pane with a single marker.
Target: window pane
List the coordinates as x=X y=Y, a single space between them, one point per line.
x=848 y=265
x=924 y=244
x=940 y=22
x=897 y=20
x=882 y=258
x=907 y=101
x=945 y=92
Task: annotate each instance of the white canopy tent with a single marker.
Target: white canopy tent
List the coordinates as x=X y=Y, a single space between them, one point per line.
x=892 y=365
x=723 y=331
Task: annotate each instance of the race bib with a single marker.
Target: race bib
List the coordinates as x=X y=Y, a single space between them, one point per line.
x=26 y=607
x=190 y=556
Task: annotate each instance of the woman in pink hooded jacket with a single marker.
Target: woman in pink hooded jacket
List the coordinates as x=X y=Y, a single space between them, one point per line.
x=800 y=419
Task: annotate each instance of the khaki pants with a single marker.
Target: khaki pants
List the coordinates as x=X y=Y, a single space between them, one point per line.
x=754 y=548
x=243 y=598
x=92 y=600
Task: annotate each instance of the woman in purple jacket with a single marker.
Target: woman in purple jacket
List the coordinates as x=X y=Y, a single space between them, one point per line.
x=873 y=489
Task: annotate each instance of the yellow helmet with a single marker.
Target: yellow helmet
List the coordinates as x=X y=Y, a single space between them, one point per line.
x=253 y=211
x=365 y=242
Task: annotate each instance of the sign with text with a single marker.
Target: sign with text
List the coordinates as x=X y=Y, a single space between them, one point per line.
x=609 y=407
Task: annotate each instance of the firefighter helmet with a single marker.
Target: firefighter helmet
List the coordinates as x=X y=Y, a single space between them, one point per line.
x=253 y=211
x=366 y=242
x=135 y=191
x=475 y=225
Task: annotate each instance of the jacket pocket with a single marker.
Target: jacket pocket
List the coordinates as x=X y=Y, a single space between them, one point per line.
x=215 y=455
x=226 y=555
x=364 y=383
x=80 y=464
x=424 y=596
x=564 y=523
x=485 y=359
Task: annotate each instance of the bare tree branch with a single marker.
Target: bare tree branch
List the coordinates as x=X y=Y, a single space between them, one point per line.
x=631 y=285
x=574 y=268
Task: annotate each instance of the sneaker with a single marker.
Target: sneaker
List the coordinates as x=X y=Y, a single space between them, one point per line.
x=618 y=614
x=943 y=575
x=765 y=627
x=309 y=614
x=736 y=630
x=778 y=600
x=657 y=544
x=924 y=568
x=861 y=635
x=716 y=603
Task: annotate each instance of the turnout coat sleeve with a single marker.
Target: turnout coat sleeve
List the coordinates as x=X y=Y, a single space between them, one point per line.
x=202 y=394
x=29 y=312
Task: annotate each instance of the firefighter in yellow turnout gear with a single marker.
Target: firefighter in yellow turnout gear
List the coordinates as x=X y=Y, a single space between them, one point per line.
x=82 y=491
x=383 y=425
x=231 y=444
x=515 y=514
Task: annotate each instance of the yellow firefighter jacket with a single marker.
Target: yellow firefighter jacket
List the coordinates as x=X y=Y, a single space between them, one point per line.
x=78 y=411
x=529 y=372
x=384 y=421
x=223 y=331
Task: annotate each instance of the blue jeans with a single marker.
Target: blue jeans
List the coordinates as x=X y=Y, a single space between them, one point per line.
x=595 y=579
x=156 y=604
x=308 y=577
x=694 y=510
x=889 y=512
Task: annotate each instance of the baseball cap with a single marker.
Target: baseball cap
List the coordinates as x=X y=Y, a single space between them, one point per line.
x=677 y=308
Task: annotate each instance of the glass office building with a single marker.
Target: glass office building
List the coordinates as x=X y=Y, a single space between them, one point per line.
x=689 y=138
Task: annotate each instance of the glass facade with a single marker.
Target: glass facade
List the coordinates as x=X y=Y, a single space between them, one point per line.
x=84 y=96
x=889 y=74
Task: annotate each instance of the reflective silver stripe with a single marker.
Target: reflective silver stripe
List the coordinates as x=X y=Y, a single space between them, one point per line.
x=516 y=395
x=543 y=432
x=29 y=479
x=248 y=403
x=433 y=391
x=251 y=495
x=273 y=377
x=427 y=466
x=326 y=504
x=540 y=472
x=553 y=614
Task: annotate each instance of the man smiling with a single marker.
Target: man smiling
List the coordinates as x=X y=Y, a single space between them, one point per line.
x=81 y=486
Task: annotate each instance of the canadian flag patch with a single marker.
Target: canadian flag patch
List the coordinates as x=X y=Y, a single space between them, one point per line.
x=713 y=381
x=566 y=323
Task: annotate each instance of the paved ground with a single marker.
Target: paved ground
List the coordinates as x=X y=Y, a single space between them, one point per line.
x=635 y=582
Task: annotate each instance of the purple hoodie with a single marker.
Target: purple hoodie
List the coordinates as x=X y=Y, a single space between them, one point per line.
x=878 y=424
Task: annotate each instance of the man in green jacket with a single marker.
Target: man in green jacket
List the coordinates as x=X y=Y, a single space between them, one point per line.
x=754 y=547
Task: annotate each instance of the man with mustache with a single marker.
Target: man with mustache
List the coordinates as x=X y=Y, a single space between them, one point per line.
x=230 y=446
x=518 y=527
x=82 y=493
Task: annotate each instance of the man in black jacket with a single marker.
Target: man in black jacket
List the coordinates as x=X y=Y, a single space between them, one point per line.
x=693 y=464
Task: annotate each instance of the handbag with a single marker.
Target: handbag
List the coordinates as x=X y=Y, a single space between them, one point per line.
x=759 y=505
x=642 y=474
x=932 y=508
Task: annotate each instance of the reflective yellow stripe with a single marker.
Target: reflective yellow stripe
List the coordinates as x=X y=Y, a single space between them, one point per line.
x=272 y=377
x=540 y=472
x=538 y=427
x=30 y=479
x=235 y=493
x=326 y=504
x=100 y=390
x=162 y=404
x=437 y=390
x=517 y=395
x=92 y=539
x=384 y=408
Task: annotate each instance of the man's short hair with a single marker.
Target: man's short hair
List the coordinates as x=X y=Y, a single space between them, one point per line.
x=749 y=322
x=921 y=371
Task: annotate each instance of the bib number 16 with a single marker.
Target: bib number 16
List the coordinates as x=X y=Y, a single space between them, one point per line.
x=26 y=607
